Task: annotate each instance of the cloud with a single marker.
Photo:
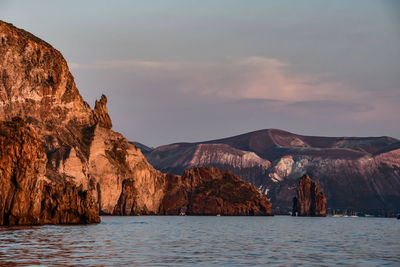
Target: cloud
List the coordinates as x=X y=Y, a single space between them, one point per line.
x=329 y=105
x=243 y=78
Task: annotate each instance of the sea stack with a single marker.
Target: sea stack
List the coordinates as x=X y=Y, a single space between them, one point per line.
x=310 y=200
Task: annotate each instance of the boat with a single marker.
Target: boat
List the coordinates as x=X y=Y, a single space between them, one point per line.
x=183 y=211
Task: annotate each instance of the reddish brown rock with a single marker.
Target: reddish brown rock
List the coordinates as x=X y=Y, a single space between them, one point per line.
x=81 y=147
x=101 y=113
x=27 y=196
x=310 y=200
x=200 y=191
x=209 y=191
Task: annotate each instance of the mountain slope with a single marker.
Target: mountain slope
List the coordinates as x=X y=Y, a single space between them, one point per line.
x=360 y=173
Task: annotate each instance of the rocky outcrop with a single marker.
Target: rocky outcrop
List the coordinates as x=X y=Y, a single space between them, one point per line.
x=101 y=113
x=27 y=196
x=310 y=200
x=275 y=159
x=202 y=191
x=81 y=147
x=215 y=192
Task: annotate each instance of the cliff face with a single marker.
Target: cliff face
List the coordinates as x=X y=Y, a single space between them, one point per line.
x=26 y=196
x=310 y=201
x=35 y=84
x=356 y=173
x=203 y=191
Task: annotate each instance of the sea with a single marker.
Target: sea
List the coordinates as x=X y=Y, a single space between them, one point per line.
x=206 y=241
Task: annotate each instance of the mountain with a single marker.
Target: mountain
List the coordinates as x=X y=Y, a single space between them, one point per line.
x=358 y=173
x=80 y=146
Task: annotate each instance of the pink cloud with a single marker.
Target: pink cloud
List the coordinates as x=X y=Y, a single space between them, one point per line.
x=244 y=78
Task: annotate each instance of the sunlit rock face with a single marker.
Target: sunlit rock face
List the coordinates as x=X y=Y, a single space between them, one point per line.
x=35 y=84
x=101 y=113
x=27 y=195
x=310 y=200
x=354 y=173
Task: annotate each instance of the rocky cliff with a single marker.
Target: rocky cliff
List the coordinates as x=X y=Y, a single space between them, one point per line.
x=27 y=195
x=81 y=147
x=203 y=191
x=35 y=84
x=357 y=173
x=310 y=200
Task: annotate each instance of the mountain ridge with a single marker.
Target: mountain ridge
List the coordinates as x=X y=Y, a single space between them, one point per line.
x=371 y=163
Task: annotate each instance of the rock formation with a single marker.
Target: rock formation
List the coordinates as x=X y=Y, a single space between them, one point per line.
x=35 y=84
x=101 y=113
x=273 y=160
x=310 y=201
x=27 y=195
x=203 y=191
x=81 y=147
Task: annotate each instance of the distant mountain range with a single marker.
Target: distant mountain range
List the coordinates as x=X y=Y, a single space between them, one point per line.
x=356 y=173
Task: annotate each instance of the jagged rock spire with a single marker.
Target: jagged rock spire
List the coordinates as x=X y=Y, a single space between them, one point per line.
x=101 y=113
x=310 y=200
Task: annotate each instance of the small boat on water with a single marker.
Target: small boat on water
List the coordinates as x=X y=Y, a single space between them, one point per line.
x=183 y=211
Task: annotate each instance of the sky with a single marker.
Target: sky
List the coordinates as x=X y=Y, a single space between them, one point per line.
x=187 y=71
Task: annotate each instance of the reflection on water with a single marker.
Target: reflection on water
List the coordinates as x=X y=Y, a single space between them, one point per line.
x=205 y=241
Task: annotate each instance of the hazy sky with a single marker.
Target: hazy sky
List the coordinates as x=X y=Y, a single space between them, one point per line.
x=199 y=70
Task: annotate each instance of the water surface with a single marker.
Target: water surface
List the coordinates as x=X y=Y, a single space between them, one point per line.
x=207 y=241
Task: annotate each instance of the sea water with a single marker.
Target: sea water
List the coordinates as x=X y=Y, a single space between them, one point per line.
x=207 y=241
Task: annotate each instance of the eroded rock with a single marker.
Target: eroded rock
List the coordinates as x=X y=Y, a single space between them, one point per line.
x=81 y=147
x=210 y=191
x=310 y=200
x=101 y=113
x=27 y=196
